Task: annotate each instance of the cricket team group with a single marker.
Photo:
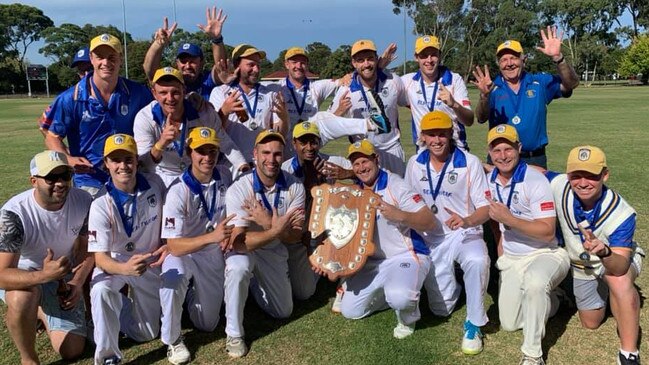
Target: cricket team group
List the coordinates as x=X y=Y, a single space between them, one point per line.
x=193 y=192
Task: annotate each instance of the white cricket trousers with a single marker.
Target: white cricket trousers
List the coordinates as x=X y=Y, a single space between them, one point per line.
x=137 y=315
x=466 y=247
x=524 y=298
x=394 y=282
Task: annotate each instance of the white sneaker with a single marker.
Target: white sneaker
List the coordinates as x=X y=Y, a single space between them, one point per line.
x=236 y=347
x=177 y=353
x=530 y=360
x=338 y=300
x=472 y=340
x=402 y=331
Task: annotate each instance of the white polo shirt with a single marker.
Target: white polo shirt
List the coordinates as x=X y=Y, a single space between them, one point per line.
x=463 y=189
x=106 y=230
x=420 y=105
x=43 y=229
x=184 y=213
x=311 y=94
x=531 y=199
x=244 y=134
x=390 y=89
x=288 y=193
x=392 y=239
x=148 y=126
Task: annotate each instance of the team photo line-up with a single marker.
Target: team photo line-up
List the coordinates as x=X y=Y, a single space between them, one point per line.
x=193 y=192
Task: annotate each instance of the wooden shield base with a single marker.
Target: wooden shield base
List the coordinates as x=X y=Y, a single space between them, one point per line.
x=344 y=215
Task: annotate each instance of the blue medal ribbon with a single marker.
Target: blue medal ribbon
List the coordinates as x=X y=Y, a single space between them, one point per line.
x=189 y=114
x=291 y=87
x=521 y=165
x=514 y=98
x=581 y=216
x=258 y=187
x=196 y=187
x=431 y=107
x=252 y=111
x=438 y=186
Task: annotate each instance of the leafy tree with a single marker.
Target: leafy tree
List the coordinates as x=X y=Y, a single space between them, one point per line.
x=136 y=52
x=318 y=54
x=20 y=26
x=278 y=64
x=339 y=63
x=636 y=59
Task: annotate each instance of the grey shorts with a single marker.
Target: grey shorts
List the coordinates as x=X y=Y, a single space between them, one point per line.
x=72 y=321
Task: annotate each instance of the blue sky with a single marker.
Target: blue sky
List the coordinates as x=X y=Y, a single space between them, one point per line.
x=271 y=25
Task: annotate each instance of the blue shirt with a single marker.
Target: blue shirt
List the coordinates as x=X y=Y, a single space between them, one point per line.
x=204 y=86
x=87 y=122
x=530 y=105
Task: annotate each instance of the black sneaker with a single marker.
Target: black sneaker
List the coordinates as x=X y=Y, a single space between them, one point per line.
x=631 y=360
x=113 y=360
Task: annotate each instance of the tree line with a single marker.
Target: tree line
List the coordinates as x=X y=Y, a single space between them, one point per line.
x=597 y=40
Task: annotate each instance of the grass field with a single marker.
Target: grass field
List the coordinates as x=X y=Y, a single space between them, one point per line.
x=614 y=118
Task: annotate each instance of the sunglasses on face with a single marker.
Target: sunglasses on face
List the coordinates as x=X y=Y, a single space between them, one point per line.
x=51 y=179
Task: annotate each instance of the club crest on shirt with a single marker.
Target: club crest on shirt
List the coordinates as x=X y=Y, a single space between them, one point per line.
x=170 y=223
x=222 y=189
x=452 y=177
x=385 y=92
x=92 y=236
x=124 y=109
x=260 y=97
x=151 y=199
x=515 y=197
x=531 y=93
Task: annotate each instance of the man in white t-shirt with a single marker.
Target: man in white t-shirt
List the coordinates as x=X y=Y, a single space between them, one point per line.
x=161 y=128
x=531 y=264
x=269 y=208
x=194 y=226
x=43 y=235
x=393 y=276
x=435 y=87
x=375 y=94
x=453 y=183
x=124 y=235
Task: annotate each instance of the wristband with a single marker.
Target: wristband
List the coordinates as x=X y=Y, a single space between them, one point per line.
x=607 y=254
x=156 y=146
x=217 y=40
x=560 y=60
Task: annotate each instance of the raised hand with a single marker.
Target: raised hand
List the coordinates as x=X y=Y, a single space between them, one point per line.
x=214 y=22
x=257 y=213
x=232 y=103
x=279 y=107
x=55 y=269
x=389 y=55
x=483 y=80
x=592 y=244
x=551 y=43
x=162 y=252
x=445 y=96
x=499 y=212
x=169 y=132
x=223 y=230
x=455 y=221
x=344 y=104
x=163 y=35
x=81 y=165
x=390 y=212
x=226 y=72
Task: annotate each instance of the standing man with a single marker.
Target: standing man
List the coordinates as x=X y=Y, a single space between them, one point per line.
x=519 y=98
x=377 y=95
x=189 y=59
x=393 y=276
x=101 y=105
x=161 y=128
x=598 y=227
x=43 y=235
x=453 y=183
x=258 y=245
x=435 y=87
x=124 y=235
x=264 y=108
x=531 y=264
x=195 y=228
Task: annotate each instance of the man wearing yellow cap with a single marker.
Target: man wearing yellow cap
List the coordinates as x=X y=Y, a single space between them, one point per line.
x=435 y=87
x=124 y=235
x=531 y=264
x=195 y=226
x=597 y=226
x=246 y=106
x=43 y=237
x=393 y=276
x=161 y=128
x=102 y=104
x=519 y=98
x=189 y=57
x=453 y=183
x=269 y=208
x=375 y=94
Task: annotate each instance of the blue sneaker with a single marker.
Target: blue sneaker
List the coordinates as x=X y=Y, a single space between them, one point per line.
x=472 y=340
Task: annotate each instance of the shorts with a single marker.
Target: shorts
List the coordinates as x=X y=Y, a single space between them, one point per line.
x=72 y=321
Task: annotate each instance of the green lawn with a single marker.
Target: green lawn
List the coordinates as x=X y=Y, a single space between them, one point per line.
x=611 y=118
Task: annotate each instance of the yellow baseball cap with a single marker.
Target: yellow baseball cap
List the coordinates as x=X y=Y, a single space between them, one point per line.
x=505 y=131
x=200 y=136
x=363 y=45
x=426 y=41
x=245 y=50
x=168 y=72
x=510 y=45
x=47 y=161
x=269 y=134
x=436 y=120
x=364 y=147
x=586 y=158
x=106 y=40
x=304 y=128
x=295 y=51
x=122 y=142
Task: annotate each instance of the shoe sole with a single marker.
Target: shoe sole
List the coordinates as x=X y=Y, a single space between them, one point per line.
x=471 y=352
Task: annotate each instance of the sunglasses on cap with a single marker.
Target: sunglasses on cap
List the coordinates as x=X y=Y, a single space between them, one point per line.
x=51 y=179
